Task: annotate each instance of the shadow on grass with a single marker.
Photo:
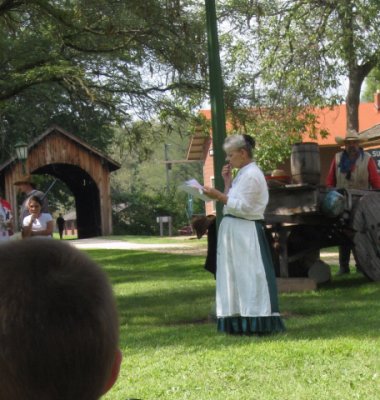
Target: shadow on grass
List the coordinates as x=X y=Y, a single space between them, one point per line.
x=347 y=306
x=168 y=297
x=140 y=266
x=346 y=281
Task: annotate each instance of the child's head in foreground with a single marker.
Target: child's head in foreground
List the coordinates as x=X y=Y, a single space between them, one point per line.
x=58 y=323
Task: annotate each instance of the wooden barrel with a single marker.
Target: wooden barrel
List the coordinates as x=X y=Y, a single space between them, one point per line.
x=305 y=163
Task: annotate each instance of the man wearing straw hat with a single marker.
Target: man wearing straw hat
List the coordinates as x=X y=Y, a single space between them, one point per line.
x=352 y=168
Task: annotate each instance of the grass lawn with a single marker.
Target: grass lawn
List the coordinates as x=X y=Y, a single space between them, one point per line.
x=171 y=350
x=65 y=237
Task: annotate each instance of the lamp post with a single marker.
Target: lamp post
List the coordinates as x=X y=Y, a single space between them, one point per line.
x=21 y=149
x=168 y=166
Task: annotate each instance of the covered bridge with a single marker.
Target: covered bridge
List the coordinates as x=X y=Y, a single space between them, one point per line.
x=84 y=169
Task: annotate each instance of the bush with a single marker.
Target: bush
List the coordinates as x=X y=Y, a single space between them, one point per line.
x=139 y=217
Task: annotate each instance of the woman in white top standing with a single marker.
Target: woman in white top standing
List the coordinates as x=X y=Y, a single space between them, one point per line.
x=246 y=293
x=37 y=223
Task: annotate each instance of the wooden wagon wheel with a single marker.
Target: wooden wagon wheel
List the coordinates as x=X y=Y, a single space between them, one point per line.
x=366 y=223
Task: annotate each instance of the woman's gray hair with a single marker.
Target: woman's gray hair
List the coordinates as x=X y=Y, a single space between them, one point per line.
x=236 y=142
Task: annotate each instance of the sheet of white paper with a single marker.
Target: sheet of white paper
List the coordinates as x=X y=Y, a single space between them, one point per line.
x=193 y=187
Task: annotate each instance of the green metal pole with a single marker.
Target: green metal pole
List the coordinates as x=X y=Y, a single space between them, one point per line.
x=218 y=118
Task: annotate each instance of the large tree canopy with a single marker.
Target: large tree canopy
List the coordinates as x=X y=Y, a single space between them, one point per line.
x=99 y=48
x=298 y=52
x=103 y=60
x=108 y=63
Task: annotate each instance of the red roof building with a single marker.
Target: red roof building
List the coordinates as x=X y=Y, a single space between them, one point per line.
x=333 y=120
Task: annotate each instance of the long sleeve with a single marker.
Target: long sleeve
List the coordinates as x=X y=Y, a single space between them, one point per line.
x=373 y=176
x=248 y=195
x=331 y=176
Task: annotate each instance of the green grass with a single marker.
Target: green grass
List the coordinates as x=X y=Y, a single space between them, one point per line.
x=65 y=237
x=171 y=349
x=334 y=249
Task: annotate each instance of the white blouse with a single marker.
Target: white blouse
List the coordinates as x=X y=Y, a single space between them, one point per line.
x=248 y=195
x=40 y=223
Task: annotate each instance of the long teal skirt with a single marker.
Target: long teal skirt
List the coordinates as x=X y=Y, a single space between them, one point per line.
x=260 y=325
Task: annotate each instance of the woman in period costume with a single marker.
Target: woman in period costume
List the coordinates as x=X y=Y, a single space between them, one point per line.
x=246 y=293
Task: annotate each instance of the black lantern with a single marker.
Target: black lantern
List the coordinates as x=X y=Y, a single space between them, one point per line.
x=22 y=153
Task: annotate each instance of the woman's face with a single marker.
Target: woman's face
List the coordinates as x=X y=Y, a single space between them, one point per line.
x=236 y=158
x=34 y=207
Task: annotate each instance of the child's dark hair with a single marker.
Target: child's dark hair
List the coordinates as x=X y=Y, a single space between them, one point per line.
x=35 y=198
x=58 y=323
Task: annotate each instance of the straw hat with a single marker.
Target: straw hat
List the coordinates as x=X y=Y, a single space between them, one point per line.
x=351 y=136
x=24 y=179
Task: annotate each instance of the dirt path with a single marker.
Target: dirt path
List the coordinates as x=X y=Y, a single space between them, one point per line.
x=99 y=243
x=173 y=248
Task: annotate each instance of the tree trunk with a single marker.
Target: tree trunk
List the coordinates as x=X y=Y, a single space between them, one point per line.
x=356 y=76
x=352 y=104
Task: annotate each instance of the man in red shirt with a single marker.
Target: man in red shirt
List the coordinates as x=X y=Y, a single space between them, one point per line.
x=352 y=168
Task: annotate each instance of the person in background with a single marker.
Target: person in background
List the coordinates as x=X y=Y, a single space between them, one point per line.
x=352 y=168
x=27 y=186
x=59 y=326
x=6 y=220
x=246 y=293
x=60 y=221
x=37 y=223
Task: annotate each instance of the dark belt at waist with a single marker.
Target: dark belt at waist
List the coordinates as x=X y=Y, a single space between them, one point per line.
x=245 y=219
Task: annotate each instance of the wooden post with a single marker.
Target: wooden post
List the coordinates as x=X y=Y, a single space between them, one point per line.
x=283 y=234
x=218 y=118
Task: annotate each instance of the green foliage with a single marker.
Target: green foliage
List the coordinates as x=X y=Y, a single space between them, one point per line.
x=275 y=130
x=146 y=185
x=102 y=70
x=97 y=49
x=103 y=63
x=372 y=85
x=27 y=116
x=297 y=53
x=140 y=212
